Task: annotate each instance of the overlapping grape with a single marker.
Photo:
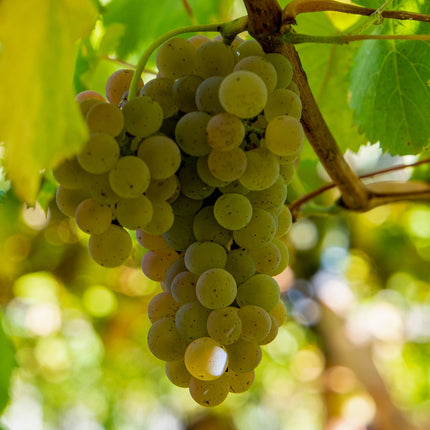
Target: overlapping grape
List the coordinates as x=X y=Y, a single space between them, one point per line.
x=198 y=165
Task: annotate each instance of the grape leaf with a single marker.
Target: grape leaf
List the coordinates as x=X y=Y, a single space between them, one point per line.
x=40 y=123
x=7 y=355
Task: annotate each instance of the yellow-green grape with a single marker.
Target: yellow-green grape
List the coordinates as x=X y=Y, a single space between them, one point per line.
x=178 y=373
x=180 y=236
x=256 y=323
x=198 y=40
x=262 y=169
x=164 y=340
x=284 y=135
x=283 y=102
x=118 y=83
x=234 y=187
x=225 y=131
x=240 y=382
x=192 y=185
x=284 y=69
x=267 y=258
x=216 y=288
x=191 y=319
x=70 y=174
x=227 y=165
x=183 y=205
x=105 y=118
x=68 y=200
x=243 y=356
x=261 y=290
x=206 y=359
x=233 y=211
x=258 y=232
x=162 y=218
x=89 y=95
x=92 y=217
x=190 y=133
x=288 y=159
x=286 y=170
x=161 y=155
x=209 y=393
x=164 y=189
x=271 y=336
x=184 y=92
x=248 y=48
x=142 y=116
x=293 y=87
x=110 y=248
x=206 y=227
x=162 y=305
x=206 y=175
x=214 y=58
x=134 y=213
x=261 y=67
x=240 y=264
x=156 y=263
x=202 y=256
x=183 y=287
x=285 y=258
x=100 y=189
x=271 y=199
x=207 y=99
x=279 y=312
x=151 y=241
x=177 y=267
x=243 y=93
x=161 y=91
x=87 y=104
x=224 y=325
x=176 y=58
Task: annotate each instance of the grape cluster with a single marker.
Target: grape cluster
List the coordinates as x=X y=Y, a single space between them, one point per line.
x=197 y=165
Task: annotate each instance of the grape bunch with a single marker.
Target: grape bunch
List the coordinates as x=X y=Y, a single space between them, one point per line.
x=197 y=164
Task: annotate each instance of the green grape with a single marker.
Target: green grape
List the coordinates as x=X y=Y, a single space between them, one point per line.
x=184 y=92
x=279 y=312
x=89 y=95
x=183 y=205
x=285 y=221
x=224 y=325
x=283 y=102
x=261 y=67
x=293 y=87
x=234 y=187
x=105 y=118
x=227 y=165
x=284 y=135
x=261 y=290
x=243 y=356
x=288 y=159
x=206 y=227
x=214 y=58
x=216 y=288
x=118 y=83
x=240 y=382
x=256 y=323
x=151 y=241
x=206 y=175
x=262 y=169
x=180 y=236
x=249 y=48
x=202 y=256
x=286 y=170
x=162 y=305
x=92 y=217
x=183 y=287
x=68 y=200
x=190 y=133
x=285 y=258
x=161 y=91
x=70 y=174
x=284 y=69
x=178 y=373
x=209 y=393
x=258 y=232
x=87 y=104
x=130 y=177
x=207 y=99
x=162 y=218
x=177 y=267
x=110 y=248
x=243 y=93
x=206 y=359
x=176 y=58
x=271 y=336
x=164 y=340
x=134 y=213
x=240 y=264
x=233 y=211
x=271 y=199
x=198 y=40
x=142 y=116
x=191 y=319
x=163 y=189
x=191 y=184
x=267 y=258
x=225 y=131
x=100 y=189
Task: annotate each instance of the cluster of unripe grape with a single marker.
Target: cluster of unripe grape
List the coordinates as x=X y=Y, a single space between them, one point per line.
x=197 y=164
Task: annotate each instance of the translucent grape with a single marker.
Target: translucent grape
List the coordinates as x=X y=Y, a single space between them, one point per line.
x=191 y=319
x=240 y=264
x=225 y=131
x=151 y=241
x=234 y=187
x=294 y=87
x=284 y=135
x=89 y=95
x=285 y=258
x=70 y=174
x=184 y=92
x=161 y=91
x=207 y=99
x=233 y=211
x=209 y=393
x=202 y=256
x=176 y=58
x=177 y=267
x=180 y=236
x=162 y=218
x=286 y=170
x=227 y=165
x=214 y=58
x=279 y=312
x=224 y=325
x=191 y=184
x=183 y=205
x=100 y=189
x=105 y=118
x=240 y=382
x=183 y=287
x=261 y=290
x=68 y=200
x=118 y=83
x=206 y=175
x=178 y=373
x=274 y=328
x=248 y=48
x=267 y=258
x=256 y=323
x=284 y=69
x=92 y=217
x=243 y=356
x=283 y=102
x=271 y=199
x=285 y=221
x=162 y=305
x=87 y=104
x=142 y=116
x=216 y=288
x=198 y=40
x=156 y=263
x=190 y=133
x=163 y=189
x=261 y=67
x=206 y=227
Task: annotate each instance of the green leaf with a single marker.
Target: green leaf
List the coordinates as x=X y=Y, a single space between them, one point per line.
x=7 y=354
x=40 y=123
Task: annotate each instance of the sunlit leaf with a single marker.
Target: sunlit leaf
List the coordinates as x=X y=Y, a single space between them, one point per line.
x=7 y=355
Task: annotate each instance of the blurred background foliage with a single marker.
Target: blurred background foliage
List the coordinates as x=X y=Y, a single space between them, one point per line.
x=356 y=345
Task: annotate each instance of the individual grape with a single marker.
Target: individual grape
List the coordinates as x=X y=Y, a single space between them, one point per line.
x=284 y=135
x=151 y=241
x=206 y=227
x=261 y=290
x=89 y=95
x=142 y=116
x=288 y=159
x=105 y=118
x=190 y=133
x=240 y=382
x=227 y=165
x=249 y=48
x=92 y=217
x=110 y=248
x=258 y=232
x=183 y=287
x=100 y=189
x=240 y=264
x=267 y=258
x=162 y=218
x=285 y=221
x=274 y=328
x=262 y=169
x=70 y=174
x=183 y=205
x=87 y=104
x=214 y=58
x=206 y=359
x=176 y=58
x=225 y=131
x=256 y=323
x=163 y=189
x=284 y=69
x=261 y=67
x=68 y=200
x=184 y=92
x=180 y=236
x=293 y=87
x=198 y=40
x=118 y=83
x=283 y=102
x=243 y=356
x=162 y=305
x=206 y=175
x=164 y=340
x=161 y=155
x=209 y=393
x=286 y=171
x=285 y=258
x=233 y=211
x=224 y=325
x=178 y=373
x=207 y=99
x=177 y=267
x=216 y=288
x=191 y=184
x=161 y=91
x=279 y=312
x=130 y=177
x=99 y=154
x=270 y=199
x=156 y=263
x=234 y=187
x=243 y=93
x=202 y=256
x=191 y=319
